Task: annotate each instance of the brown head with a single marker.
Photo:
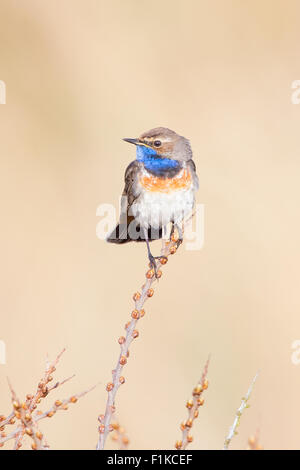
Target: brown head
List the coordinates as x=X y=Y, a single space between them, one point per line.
x=164 y=143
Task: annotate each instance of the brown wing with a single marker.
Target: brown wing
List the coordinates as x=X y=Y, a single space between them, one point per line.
x=130 y=194
x=192 y=167
x=131 y=189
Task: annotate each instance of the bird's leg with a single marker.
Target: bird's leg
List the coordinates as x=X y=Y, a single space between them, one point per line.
x=172 y=231
x=180 y=234
x=152 y=258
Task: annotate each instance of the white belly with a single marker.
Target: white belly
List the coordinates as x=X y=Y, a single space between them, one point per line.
x=156 y=209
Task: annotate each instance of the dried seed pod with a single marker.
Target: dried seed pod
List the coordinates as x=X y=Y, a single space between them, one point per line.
x=109 y=386
x=205 y=384
x=136 y=296
x=189 y=404
x=197 y=390
x=123 y=360
x=189 y=423
x=135 y=314
x=150 y=274
x=101 y=428
x=178 y=445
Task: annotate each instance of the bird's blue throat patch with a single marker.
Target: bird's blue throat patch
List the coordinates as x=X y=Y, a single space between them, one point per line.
x=155 y=164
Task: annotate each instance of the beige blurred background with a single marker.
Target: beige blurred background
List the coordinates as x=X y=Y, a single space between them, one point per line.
x=82 y=74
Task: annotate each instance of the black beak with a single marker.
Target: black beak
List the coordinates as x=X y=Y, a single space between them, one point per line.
x=132 y=141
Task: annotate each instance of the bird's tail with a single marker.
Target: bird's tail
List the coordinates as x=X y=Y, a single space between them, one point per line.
x=121 y=234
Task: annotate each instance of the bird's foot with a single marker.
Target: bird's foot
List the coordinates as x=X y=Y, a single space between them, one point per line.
x=178 y=237
x=179 y=242
x=153 y=263
x=161 y=257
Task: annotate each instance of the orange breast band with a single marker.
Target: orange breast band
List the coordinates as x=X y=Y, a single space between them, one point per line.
x=166 y=185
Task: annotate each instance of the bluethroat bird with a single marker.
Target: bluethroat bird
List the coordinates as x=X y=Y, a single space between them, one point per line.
x=160 y=187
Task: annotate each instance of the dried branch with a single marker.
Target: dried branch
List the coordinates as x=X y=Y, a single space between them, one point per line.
x=236 y=422
x=193 y=410
x=42 y=389
x=60 y=405
x=59 y=384
x=26 y=416
x=168 y=248
x=5 y=421
x=27 y=425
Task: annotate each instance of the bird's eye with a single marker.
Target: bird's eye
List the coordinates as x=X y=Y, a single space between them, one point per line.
x=157 y=143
